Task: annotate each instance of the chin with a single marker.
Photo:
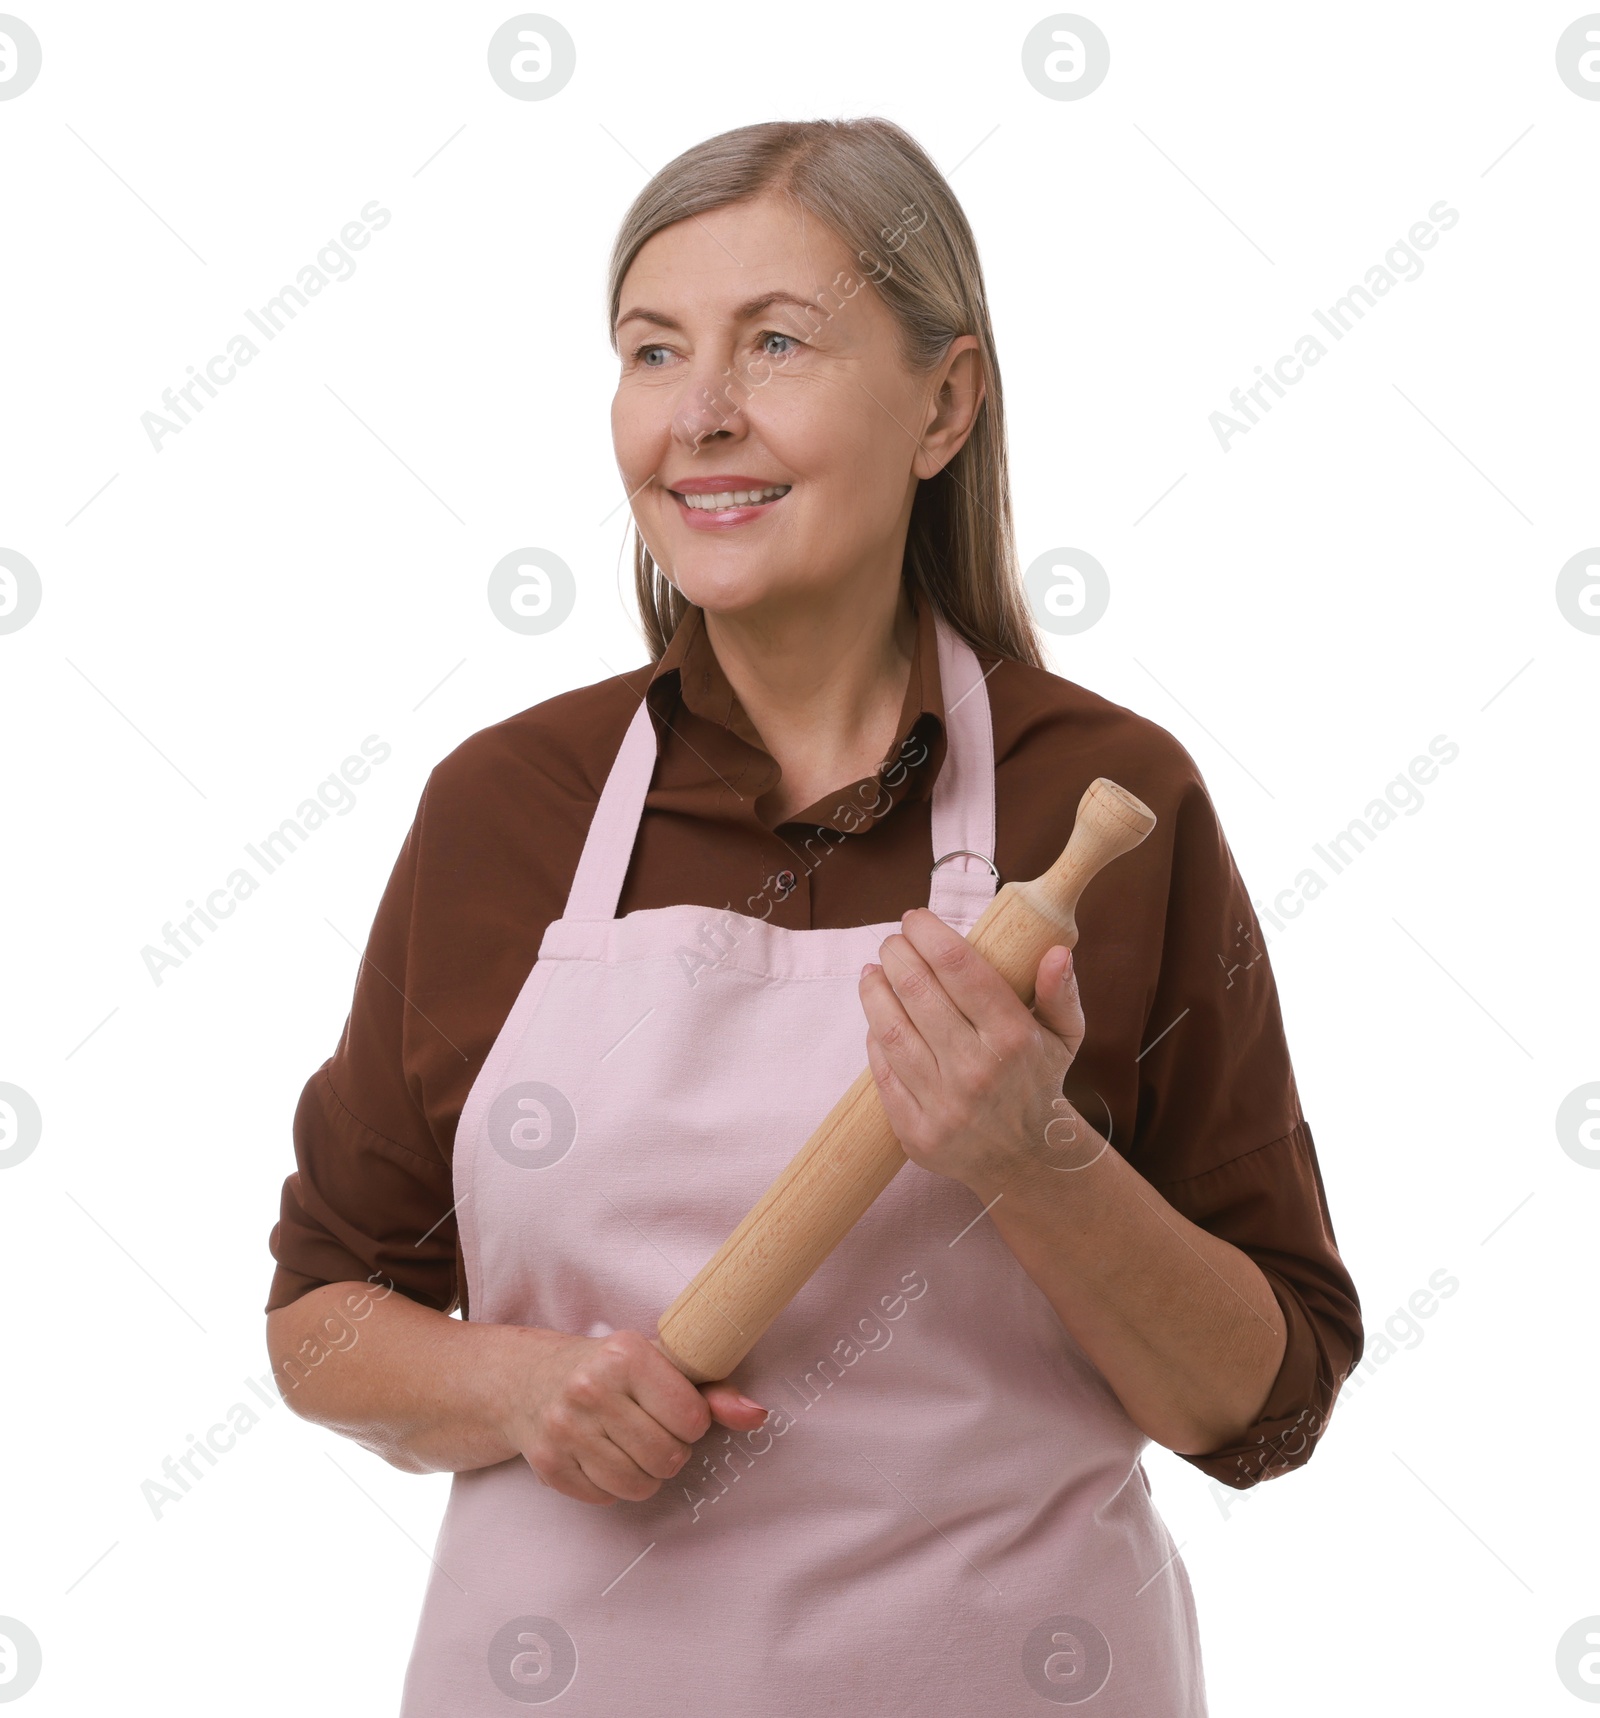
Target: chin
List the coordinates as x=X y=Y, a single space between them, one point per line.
x=728 y=590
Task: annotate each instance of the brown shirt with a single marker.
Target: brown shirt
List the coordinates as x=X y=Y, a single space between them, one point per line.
x=1184 y=1067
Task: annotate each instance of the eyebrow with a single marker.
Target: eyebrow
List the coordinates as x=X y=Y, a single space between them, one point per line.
x=743 y=313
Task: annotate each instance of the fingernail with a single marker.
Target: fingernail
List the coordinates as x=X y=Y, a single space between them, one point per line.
x=867 y=969
x=745 y=1402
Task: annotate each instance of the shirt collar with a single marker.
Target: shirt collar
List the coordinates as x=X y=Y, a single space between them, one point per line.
x=689 y=676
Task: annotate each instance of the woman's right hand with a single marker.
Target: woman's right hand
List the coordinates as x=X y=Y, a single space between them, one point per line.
x=610 y=1417
x=599 y=1418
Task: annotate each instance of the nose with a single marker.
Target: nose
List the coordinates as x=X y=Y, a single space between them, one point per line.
x=711 y=405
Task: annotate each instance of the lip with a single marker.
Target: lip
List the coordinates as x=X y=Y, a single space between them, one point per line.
x=726 y=518
x=716 y=485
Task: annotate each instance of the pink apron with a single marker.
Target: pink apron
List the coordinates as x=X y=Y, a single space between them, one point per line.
x=945 y=1512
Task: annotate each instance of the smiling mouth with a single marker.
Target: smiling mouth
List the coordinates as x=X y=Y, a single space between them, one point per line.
x=728 y=499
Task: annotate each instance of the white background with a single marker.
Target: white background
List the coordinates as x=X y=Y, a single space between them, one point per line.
x=306 y=564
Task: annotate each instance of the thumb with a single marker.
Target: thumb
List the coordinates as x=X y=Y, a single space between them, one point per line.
x=732 y=1408
x=1056 y=999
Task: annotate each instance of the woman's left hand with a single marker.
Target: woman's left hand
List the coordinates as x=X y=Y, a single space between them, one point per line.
x=970 y=1079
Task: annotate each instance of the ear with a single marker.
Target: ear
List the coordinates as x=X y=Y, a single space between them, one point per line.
x=955 y=396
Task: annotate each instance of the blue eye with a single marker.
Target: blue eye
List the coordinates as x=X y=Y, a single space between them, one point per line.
x=640 y=353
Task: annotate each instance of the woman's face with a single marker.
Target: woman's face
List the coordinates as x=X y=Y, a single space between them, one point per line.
x=756 y=355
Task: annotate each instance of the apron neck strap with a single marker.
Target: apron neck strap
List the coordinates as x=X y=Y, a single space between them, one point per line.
x=597 y=883
x=963 y=796
x=962 y=811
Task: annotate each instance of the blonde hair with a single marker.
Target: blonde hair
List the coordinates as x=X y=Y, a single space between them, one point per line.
x=865 y=179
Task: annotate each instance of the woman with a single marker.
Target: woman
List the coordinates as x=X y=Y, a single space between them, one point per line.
x=642 y=935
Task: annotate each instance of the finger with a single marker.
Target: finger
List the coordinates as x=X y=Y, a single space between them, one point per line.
x=976 y=994
x=570 y=1480
x=595 y=1437
x=575 y=1448
x=1057 y=1002
x=663 y=1392
x=613 y=1470
x=900 y=1044
x=732 y=1408
x=899 y=1101
x=649 y=1452
x=942 y=1025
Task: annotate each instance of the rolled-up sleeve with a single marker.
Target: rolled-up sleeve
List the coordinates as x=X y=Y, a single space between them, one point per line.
x=370 y=1195
x=1220 y=1134
x=1270 y=1204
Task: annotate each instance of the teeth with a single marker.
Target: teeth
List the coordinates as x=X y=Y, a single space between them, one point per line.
x=735 y=498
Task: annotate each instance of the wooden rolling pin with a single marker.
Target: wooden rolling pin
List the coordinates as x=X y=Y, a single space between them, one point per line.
x=854 y=1154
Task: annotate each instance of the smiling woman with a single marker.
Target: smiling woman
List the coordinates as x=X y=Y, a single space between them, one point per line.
x=543 y=1115
x=789 y=291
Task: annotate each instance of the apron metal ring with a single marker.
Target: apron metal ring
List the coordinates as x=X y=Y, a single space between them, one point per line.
x=955 y=852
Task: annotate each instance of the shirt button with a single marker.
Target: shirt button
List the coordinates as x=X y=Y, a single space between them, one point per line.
x=786 y=882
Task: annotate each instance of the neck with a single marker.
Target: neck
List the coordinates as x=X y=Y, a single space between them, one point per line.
x=823 y=681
